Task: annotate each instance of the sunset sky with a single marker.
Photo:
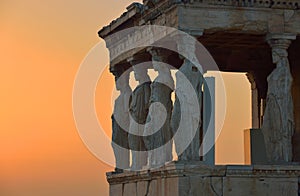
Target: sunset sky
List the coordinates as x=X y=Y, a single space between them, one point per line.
x=42 y=44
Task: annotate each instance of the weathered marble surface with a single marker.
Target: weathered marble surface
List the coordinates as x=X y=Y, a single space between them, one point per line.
x=278 y=123
x=139 y=106
x=194 y=178
x=186 y=112
x=209 y=16
x=158 y=130
x=120 y=123
x=260 y=186
x=159 y=151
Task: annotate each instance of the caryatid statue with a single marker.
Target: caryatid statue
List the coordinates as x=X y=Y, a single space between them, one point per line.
x=278 y=122
x=186 y=116
x=139 y=107
x=120 y=121
x=158 y=134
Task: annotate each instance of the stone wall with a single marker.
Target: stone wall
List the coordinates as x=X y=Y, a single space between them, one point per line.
x=179 y=179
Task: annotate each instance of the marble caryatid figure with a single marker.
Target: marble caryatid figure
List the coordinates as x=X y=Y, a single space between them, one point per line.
x=278 y=123
x=120 y=122
x=138 y=108
x=187 y=113
x=158 y=134
x=186 y=117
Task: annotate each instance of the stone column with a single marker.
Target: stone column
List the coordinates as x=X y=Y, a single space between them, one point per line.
x=208 y=141
x=158 y=130
x=255 y=102
x=278 y=123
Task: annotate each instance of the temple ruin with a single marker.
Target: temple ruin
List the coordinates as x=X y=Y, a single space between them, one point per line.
x=260 y=38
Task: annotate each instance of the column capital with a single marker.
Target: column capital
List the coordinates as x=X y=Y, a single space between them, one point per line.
x=280 y=40
x=159 y=54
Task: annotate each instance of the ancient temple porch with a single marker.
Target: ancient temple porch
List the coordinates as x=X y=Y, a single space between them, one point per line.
x=240 y=36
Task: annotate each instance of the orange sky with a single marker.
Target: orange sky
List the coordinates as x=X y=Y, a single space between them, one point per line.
x=42 y=46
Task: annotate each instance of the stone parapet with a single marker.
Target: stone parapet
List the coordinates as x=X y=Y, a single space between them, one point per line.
x=179 y=178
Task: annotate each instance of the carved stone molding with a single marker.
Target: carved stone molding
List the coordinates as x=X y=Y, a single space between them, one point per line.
x=280 y=41
x=194 y=179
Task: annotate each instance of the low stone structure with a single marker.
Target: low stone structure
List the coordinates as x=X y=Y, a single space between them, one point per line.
x=197 y=179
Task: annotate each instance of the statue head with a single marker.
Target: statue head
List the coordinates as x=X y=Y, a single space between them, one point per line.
x=141 y=73
x=158 y=58
x=122 y=81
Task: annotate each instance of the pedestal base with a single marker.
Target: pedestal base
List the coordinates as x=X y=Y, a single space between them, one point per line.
x=183 y=179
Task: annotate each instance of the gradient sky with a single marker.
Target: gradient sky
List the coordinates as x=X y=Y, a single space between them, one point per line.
x=42 y=44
